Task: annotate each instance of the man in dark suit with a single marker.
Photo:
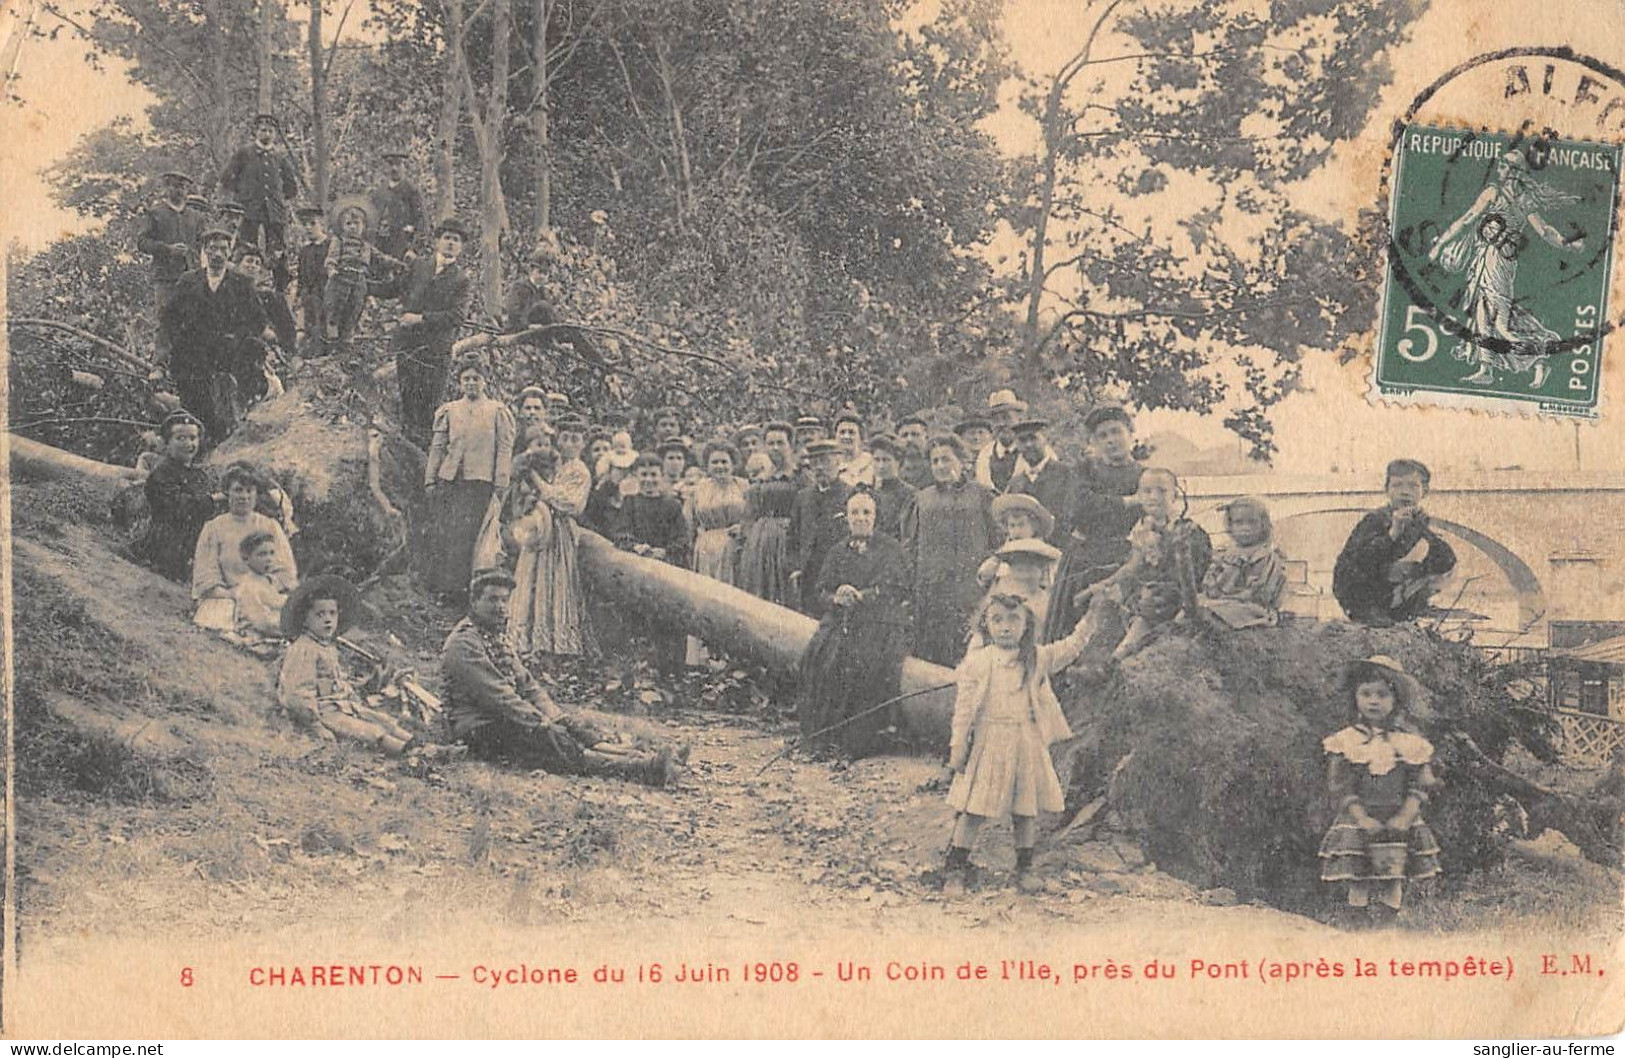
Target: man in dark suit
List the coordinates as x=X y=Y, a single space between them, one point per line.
x=213 y=325
x=817 y=520
x=167 y=238
x=433 y=291
x=262 y=182
x=1043 y=476
x=399 y=206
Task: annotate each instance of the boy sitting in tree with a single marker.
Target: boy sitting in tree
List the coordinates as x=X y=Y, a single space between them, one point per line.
x=1393 y=562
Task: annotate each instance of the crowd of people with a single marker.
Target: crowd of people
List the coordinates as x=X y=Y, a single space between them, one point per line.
x=978 y=546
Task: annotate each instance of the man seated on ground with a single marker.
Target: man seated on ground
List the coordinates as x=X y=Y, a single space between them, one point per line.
x=1393 y=561
x=497 y=708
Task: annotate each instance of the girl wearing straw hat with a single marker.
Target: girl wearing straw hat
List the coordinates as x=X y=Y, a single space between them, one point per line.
x=1380 y=774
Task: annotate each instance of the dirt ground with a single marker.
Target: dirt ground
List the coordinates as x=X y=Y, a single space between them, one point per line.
x=203 y=816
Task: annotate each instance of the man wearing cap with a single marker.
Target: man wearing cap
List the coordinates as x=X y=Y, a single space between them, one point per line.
x=1103 y=513
x=263 y=181
x=502 y=714
x=999 y=460
x=1043 y=476
x=227 y=215
x=213 y=325
x=817 y=520
x=433 y=291
x=398 y=205
x=167 y=238
x=809 y=428
x=916 y=467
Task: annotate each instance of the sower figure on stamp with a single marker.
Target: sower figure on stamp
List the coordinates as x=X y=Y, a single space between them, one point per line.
x=168 y=239
x=1483 y=242
x=434 y=294
x=262 y=181
x=212 y=325
x=398 y=205
x=1393 y=562
x=497 y=708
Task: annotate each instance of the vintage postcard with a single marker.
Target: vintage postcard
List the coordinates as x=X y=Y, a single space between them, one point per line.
x=945 y=518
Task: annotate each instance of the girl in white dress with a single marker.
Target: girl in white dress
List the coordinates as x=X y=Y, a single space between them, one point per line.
x=1006 y=717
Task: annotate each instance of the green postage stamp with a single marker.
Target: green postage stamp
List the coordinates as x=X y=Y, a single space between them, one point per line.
x=1496 y=295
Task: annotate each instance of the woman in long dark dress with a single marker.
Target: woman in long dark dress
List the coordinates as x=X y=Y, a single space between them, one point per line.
x=467 y=471
x=947 y=534
x=764 y=560
x=855 y=659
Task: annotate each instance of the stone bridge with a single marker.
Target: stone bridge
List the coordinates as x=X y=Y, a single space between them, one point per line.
x=1532 y=547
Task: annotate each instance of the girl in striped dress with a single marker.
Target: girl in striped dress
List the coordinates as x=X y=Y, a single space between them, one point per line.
x=1380 y=774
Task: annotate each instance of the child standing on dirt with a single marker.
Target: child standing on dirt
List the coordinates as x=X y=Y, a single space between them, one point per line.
x=349 y=259
x=312 y=687
x=1006 y=717
x=1380 y=773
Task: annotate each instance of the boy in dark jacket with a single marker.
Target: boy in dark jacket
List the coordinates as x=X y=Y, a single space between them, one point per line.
x=1393 y=562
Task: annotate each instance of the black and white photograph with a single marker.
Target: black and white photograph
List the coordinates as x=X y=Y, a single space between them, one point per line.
x=812 y=519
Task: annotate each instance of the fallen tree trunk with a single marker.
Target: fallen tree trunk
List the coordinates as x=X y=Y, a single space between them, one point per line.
x=30 y=459
x=731 y=620
x=744 y=626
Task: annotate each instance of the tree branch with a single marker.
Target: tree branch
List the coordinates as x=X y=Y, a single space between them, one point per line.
x=1075 y=64
x=333 y=51
x=1135 y=56
x=82 y=419
x=119 y=353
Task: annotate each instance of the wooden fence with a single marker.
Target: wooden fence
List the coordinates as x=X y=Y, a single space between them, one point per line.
x=1588 y=740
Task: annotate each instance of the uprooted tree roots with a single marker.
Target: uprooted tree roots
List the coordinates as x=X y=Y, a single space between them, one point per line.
x=1207 y=748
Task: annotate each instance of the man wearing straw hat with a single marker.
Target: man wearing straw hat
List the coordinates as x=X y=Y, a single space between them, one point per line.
x=999 y=461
